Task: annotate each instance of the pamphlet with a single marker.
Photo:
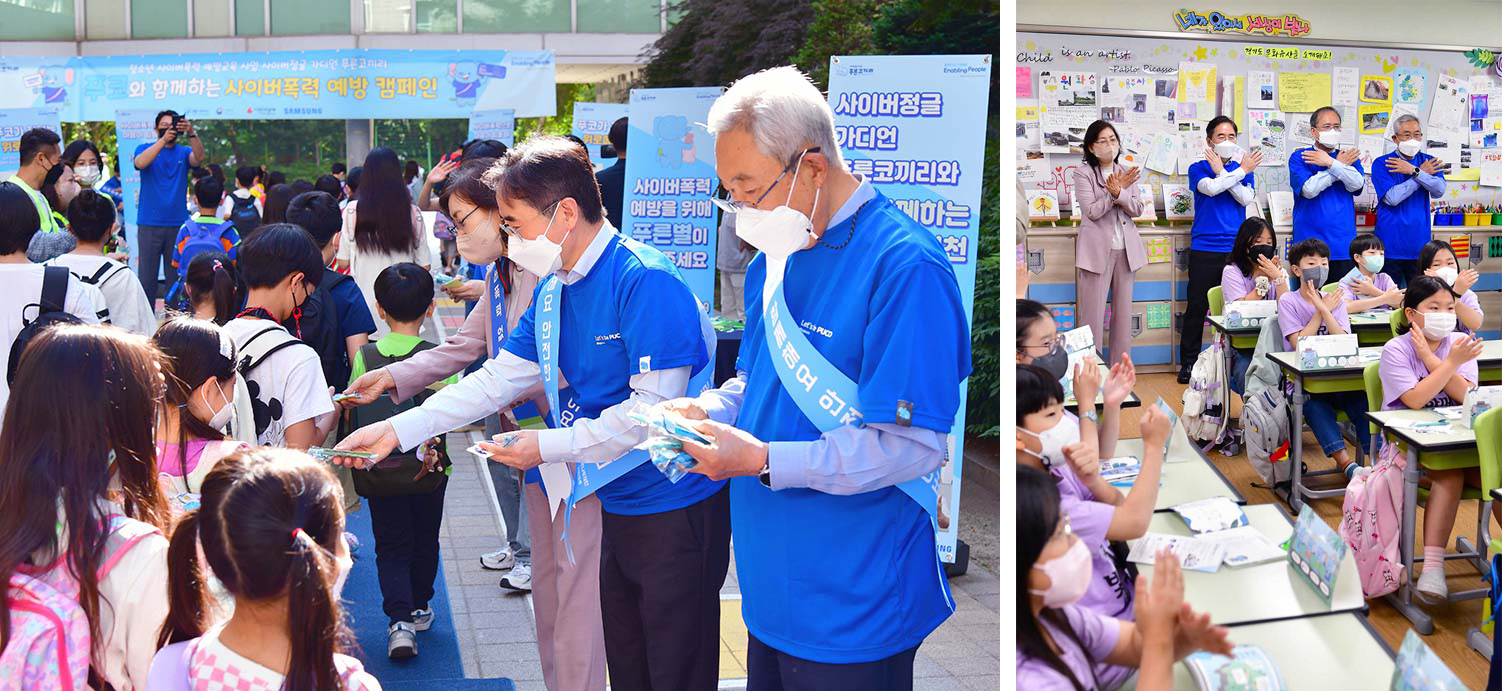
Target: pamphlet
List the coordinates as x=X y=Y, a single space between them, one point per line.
x=1315 y=552
x=1329 y=352
x=1120 y=469
x=1247 y=669
x=1210 y=515
x=1418 y=668
x=1477 y=401
x=1193 y=554
x=1245 y=546
x=1242 y=314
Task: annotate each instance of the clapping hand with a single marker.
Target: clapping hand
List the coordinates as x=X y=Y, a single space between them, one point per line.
x=1120 y=381
x=1466 y=349
x=1333 y=299
x=1269 y=268
x=1364 y=286
x=1129 y=177
x=1214 y=160
x=1113 y=184
x=1396 y=164
x=1348 y=156
x=1086 y=382
x=1465 y=279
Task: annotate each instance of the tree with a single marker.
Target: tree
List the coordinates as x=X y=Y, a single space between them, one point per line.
x=716 y=42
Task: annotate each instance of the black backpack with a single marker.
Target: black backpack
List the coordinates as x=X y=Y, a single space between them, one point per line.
x=243 y=214
x=320 y=329
x=49 y=314
x=393 y=476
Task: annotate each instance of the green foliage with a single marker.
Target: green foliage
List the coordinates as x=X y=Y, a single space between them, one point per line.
x=425 y=141
x=840 y=27
x=563 y=122
x=715 y=42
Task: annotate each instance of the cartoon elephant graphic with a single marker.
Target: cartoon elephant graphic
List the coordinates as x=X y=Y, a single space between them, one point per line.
x=675 y=144
x=55 y=81
x=466 y=80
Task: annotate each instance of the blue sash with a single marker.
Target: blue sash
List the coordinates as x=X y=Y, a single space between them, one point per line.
x=498 y=332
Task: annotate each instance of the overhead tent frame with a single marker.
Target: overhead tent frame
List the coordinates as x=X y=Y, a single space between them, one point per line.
x=1242 y=38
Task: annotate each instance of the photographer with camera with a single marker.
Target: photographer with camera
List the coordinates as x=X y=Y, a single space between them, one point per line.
x=164 y=167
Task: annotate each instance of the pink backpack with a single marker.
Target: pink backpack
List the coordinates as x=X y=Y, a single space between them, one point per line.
x=49 y=646
x=1371 y=523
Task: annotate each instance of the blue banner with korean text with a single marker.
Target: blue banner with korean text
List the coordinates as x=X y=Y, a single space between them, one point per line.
x=592 y=123
x=914 y=125
x=499 y=125
x=286 y=85
x=132 y=129
x=670 y=176
x=13 y=124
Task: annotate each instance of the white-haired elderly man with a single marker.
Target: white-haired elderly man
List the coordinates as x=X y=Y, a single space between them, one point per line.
x=850 y=305
x=1405 y=180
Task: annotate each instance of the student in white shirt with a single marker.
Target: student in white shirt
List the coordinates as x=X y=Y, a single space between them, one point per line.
x=92 y=220
x=245 y=180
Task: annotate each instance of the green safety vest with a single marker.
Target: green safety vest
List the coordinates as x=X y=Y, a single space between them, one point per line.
x=49 y=222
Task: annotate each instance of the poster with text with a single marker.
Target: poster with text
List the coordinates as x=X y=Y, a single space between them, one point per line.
x=13 y=124
x=132 y=129
x=499 y=125
x=1067 y=106
x=592 y=123
x=670 y=178
x=1032 y=163
x=936 y=107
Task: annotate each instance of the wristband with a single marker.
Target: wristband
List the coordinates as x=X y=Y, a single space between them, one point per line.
x=1091 y=415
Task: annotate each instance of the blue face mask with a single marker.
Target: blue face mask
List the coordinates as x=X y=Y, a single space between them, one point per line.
x=1374 y=264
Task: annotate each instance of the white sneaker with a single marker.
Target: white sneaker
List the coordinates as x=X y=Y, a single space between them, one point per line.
x=1432 y=587
x=520 y=578
x=499 y=560
x=401 y=641
x=422 y=619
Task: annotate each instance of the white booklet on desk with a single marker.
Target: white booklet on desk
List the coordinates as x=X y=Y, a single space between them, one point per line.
x=1194 y=554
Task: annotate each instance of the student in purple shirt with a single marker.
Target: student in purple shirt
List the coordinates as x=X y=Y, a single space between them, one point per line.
x=1038 y=344
x=1251 y=273
x=1429 y=365
x=1365 y=286
x=1309 y=312
x=1437 y=258
x=1061 y=645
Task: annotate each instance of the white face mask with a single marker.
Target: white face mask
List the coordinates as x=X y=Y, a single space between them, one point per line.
x=86 y=175
x=541 y=256
x=1448 y=274
x=223 y=416
x=1438 y=325
x=1330 y=138
x=1106 y=153
x=781 y=231
x=1226 y=149
x=1069 y=577
x=1063 y=434
x=1409 y=148
x=344 y=564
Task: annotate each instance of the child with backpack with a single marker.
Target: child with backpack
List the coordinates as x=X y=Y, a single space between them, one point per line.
x=242 y=207
x=405 y=513
x=1038 y=343
x=1103 y=517
x=201 y=233
x=200 y=403
x=293 y=407
x=1306 y=311
x=1437 y=258
x=92 y=221
x=270 y=527
x=1065 y=646
x=1430 y=365
x=336 y=321
x=83 y=555
x=1366 y=287
x=213 y=286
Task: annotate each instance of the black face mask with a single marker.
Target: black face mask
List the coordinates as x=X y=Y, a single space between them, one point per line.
x=1056 y=362
x=1260 y=251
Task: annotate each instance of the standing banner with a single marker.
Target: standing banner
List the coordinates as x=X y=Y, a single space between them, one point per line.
x=915 y=125
x=132 y=129
x=13 y=124
x=592 y=123
x=286 y=85
x=670 y=176
x=499 y=125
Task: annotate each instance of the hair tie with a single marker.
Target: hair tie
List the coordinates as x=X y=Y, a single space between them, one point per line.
x=296 y=532
x=217 y=265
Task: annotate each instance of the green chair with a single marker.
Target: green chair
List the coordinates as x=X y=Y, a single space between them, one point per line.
x=1373 y=381
x=1489 y=445
x=1398 y=319
x=1330 y=288
x=1217 y=308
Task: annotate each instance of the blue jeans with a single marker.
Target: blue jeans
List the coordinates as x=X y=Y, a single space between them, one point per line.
x=1239 y=363
x=1319 y=412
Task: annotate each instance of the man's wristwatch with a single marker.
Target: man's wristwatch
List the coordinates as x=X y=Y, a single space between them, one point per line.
x=765 y=476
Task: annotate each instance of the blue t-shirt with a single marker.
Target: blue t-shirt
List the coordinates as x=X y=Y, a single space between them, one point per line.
x=164 y=187
x=354 y=314
x=1331 y=216
x=631 y=313
x=847 y=579
x=1217 y=218
x=1403 y=229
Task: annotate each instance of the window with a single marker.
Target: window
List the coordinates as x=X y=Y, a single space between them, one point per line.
x=103 y=19
x=513 y=16
x=36 y=20
x=158 y=19
x=620 y=16
x=388 y=16
x=302 y=18
x=211 y=18
x=437 y=16
x=250 y=17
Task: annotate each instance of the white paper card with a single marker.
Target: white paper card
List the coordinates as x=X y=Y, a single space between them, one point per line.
x=1193 y=554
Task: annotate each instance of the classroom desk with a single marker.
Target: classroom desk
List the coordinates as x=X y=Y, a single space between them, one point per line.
x=1184 y=479
x=1132 y=400
x=1265 y=592
x=1490 y=362
x=1435 y=450
x=1314 y=381
x=1372 y=327
x=1336 y=652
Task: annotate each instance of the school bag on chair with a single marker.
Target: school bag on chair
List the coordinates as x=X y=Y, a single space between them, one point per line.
x=1264 y=409
x=1371 y=523
x=1207 y=400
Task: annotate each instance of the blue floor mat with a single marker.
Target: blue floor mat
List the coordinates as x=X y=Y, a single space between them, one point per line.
x=438 y=648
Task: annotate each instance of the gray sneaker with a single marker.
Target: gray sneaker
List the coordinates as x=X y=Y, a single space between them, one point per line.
x=422 y=619
x=499 y=560
x=401 y=641
x=519 y=579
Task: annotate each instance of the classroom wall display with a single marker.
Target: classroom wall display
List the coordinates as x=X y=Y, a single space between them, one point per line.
x=935 y=108
x=499 y=125
x=1218 y=23
x=1068 y=104
x=286 y=85
x=592 y=123
x=15 y=122
x=1178 y=201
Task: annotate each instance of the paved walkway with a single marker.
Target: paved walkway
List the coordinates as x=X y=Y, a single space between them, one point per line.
x=495 y=628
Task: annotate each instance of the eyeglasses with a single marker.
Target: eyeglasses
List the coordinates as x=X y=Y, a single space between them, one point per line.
x=513 y=232
x=459 y=223
x=731 y=206
x=1057 y=342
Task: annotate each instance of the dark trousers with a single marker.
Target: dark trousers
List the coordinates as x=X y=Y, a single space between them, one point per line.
x=1401 y=271
x=1204 y=274
x=660 y=579
x=770 y=670
x=406 y=545
x=1338 y=270
x=156 y=253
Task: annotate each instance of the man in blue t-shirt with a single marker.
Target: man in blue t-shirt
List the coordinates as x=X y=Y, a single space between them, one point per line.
x=162 y=206
x=1325 y=183
x=837 y=562
x=630 y=334
x=1223 y=189
x=1405 y=181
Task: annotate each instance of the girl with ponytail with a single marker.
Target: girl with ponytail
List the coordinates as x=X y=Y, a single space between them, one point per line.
x=214 y=288
x=270 y=526
x=199 y=404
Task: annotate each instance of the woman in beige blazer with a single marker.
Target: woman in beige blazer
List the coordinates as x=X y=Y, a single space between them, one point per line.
x=1107 y=249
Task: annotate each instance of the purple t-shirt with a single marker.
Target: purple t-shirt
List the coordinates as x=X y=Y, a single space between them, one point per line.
x=1401 y=370
x=1381 y=281
x=1234 y=285
x=1469 y=300
x=1294 y=314
x=1110 y=590
x=1097 y=636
